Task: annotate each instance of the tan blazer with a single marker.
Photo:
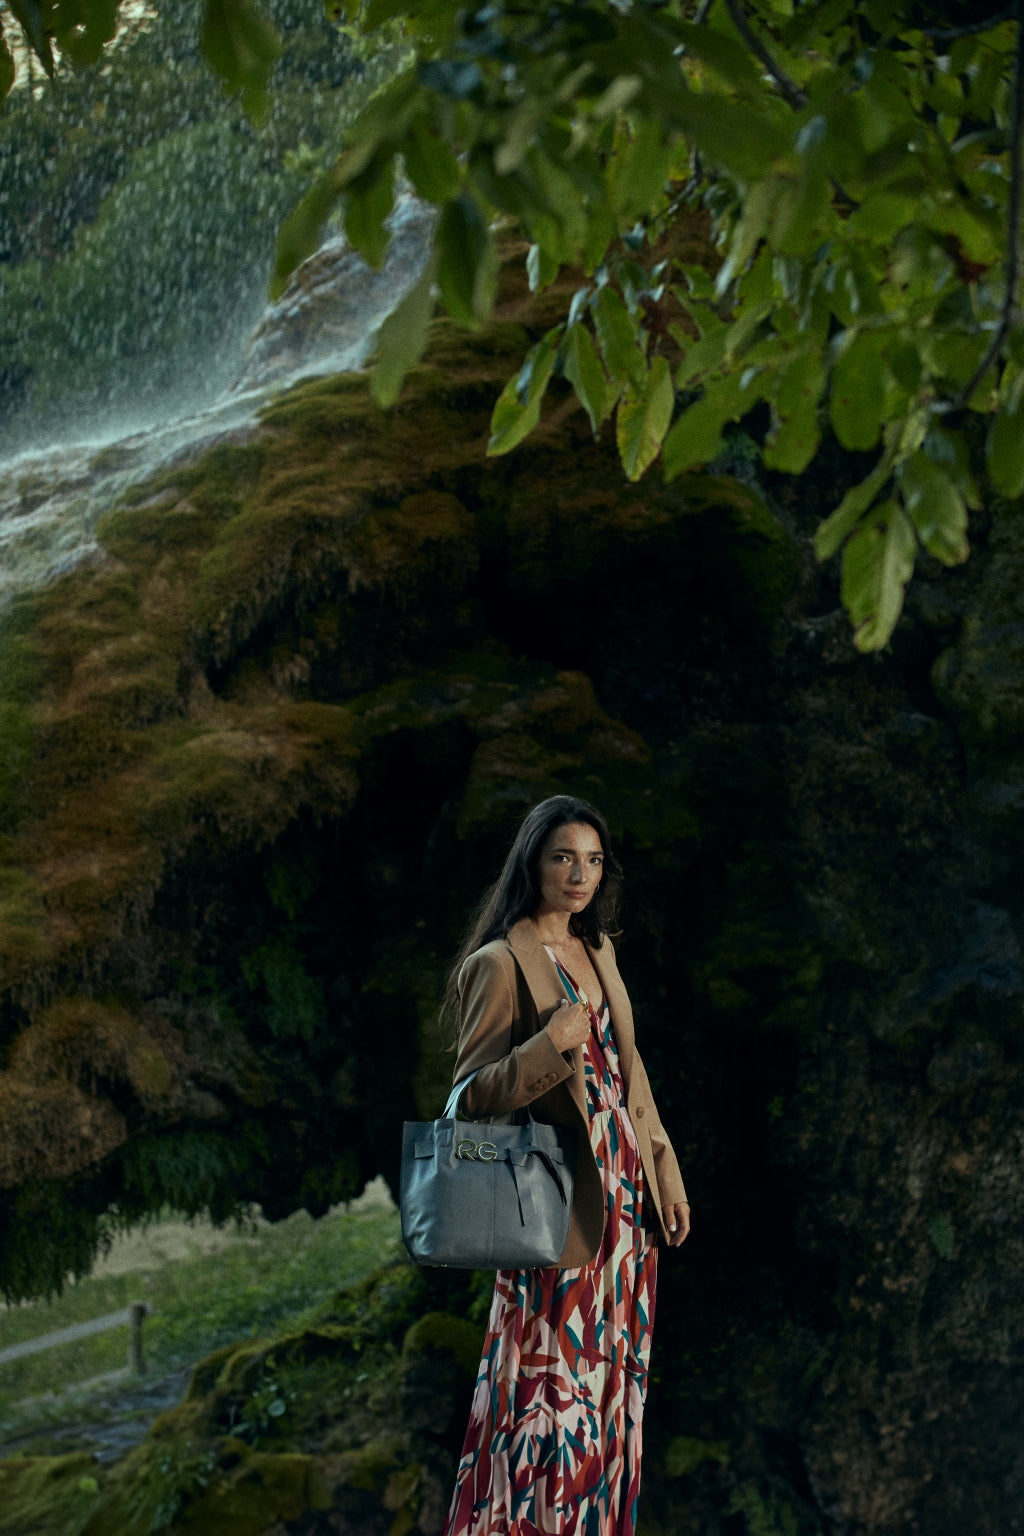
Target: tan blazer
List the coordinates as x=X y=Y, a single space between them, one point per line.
x=508 y=991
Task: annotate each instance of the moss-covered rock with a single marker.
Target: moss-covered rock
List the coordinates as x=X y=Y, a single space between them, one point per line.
x=278 y=1433
x=41 y=1495
x=258 y=762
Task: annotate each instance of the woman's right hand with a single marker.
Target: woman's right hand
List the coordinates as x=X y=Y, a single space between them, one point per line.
x=569 y=1025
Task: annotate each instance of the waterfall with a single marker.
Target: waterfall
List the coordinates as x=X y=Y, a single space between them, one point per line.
x=326 y=321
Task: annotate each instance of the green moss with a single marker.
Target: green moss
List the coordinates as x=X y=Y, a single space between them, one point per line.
x=15 y=757
x=207 y=1373
x=324 y=407
x=20 y=656
x=214 y=482
x=453 y=1335
x=141 y=534
x=262 y=1489
x=44 y=1495
x=685 y=1454
x=370 y=1467
x=22 y=918
x=196 y=1489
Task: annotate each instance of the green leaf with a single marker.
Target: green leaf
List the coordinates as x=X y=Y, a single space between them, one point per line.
x=851 y=509
x=564 y=202
x=432 y=168
x=758 y=208
x=541 y=269
x=949 y=451
x=704 y=356
x=403 y=336
x=1004 y=451
x=517 y=411
x=242 y=46
x=521 y=129
x=936 y=508
x=302 y=231
x=728 y=134
x=616 y=96
x=374 y=14
x=800 y=211
x=726 y=56
x=640 y=171
x=370 y=199
x=981 y=232
x=467 y=275
x=877 y=564
x=857 y=402
x=82 y=27
x=794 y=440
x=32 y=18
x=643 y=419
x=882 y=214
x=601 y=232
x=7 y=68
x=619 y=337
x=696 y=437
x=582 y=368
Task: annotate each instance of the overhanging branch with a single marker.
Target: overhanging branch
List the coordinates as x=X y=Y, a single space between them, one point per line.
x=970 y=29
x=1013 y=242
x=789 y=88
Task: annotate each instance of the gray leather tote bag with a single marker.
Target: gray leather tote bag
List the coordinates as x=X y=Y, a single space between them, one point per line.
x=476 y=1195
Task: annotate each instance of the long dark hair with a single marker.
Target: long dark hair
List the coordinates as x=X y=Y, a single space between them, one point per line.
x=516 y=892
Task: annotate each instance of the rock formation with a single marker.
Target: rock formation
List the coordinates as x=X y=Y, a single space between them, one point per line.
x=260 y=757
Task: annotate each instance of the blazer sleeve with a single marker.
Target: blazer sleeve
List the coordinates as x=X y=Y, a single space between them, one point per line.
x=671 y=1188
x=510 y=1076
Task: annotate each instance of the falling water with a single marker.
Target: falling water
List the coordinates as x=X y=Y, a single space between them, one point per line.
x=50 y=499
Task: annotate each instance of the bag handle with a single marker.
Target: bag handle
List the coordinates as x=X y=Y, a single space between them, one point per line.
x=451 y=1109
x=522 y=1116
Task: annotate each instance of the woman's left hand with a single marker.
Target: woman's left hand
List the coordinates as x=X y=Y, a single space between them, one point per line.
x=677 y=1220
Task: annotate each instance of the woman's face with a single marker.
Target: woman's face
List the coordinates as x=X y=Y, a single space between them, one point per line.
x=571 y=865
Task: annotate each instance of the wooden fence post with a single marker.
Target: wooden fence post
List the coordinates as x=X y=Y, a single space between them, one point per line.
x=137 y=1311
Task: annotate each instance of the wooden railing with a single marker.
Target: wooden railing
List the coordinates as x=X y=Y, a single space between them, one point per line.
x=133 y=1315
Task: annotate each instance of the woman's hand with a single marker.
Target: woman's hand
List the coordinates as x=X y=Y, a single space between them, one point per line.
x=677 y=1220
x=569 y=1025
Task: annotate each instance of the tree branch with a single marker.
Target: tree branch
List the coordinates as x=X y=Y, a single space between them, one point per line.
x=792 y=92
x=950 y=34
x=1013 y=243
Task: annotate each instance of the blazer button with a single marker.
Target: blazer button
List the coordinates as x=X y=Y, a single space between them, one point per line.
x=639 y=1111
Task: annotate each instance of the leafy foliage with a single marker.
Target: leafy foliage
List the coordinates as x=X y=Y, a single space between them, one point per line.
x=860 y=165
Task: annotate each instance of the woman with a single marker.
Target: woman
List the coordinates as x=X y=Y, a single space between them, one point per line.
x=553 y=1445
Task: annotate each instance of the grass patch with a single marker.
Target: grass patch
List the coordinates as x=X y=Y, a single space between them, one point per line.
x=270 y=1276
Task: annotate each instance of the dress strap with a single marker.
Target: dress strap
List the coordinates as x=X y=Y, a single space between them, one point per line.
x=573 y=991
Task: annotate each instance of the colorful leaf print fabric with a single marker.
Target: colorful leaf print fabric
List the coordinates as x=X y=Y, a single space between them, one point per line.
x=554 y=1437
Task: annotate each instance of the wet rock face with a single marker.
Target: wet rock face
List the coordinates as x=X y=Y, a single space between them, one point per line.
x=262 y=758
x=335 y=303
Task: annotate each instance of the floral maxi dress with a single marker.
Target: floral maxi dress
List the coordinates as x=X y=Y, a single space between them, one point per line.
x=554 y=1437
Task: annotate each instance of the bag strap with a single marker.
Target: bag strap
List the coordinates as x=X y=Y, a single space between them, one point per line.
x=523 y=1116
x=452 y=1107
